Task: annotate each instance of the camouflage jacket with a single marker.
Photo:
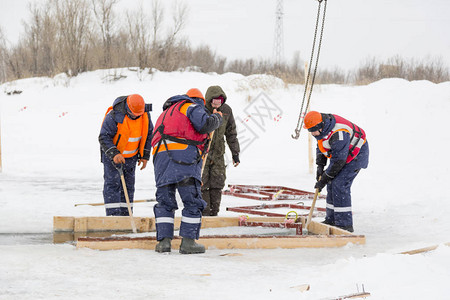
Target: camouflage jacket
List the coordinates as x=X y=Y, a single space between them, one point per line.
x=226 y=130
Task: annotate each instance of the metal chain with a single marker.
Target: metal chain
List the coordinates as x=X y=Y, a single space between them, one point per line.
x=300 y=118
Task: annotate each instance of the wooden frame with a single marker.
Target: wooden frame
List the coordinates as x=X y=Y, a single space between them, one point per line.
x=225 y=242
x=322 y=235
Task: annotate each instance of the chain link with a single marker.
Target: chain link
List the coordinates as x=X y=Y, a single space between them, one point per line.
x=302 y=112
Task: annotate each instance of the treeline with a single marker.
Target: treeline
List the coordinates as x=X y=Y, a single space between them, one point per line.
x=74 y=36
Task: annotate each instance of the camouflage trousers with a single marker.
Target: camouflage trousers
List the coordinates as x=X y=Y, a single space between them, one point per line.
x=213 y=181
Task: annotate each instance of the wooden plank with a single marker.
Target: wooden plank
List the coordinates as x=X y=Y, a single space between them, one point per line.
x=225 y=242
x=87 y=224
x=320 y=228
x=422 y=250
x=80 y=224
x=217 y=222
x=63 y=237
x=143 y=224
x=69 y=237
x=353 y=296
x=61 y=223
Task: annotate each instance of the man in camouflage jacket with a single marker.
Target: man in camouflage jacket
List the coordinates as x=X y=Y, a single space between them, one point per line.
x=214 y=173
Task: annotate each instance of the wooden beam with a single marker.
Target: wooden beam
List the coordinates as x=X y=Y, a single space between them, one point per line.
x=73 y=228
x=92 y=224
x=61 y=223
x=320 y=228
x=422 y=250
x=225 y=242
x=353 y=296
x=69 y=237
x=144 y=224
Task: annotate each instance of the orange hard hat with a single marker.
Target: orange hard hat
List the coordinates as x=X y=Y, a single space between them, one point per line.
x=136 y=104
x=312 y=119
x=195 y=93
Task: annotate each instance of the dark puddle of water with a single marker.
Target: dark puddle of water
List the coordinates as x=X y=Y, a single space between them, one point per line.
x=26 y=238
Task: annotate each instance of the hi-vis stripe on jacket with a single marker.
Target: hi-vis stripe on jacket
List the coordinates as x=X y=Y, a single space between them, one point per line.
x=131 y=135
x=357 y=138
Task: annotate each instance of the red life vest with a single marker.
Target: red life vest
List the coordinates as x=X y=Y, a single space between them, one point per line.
x=131 y=135
x=357 y=138
x=174 y=130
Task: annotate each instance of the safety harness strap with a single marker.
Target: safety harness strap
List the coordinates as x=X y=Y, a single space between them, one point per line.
x=165 y=137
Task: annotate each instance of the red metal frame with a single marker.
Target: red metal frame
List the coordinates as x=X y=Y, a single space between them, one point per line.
x=268 y=192
x=254 y=209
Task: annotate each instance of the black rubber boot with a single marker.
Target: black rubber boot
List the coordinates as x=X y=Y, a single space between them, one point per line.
x=164 y=245
x=348 y=228
x=328 y=222
x=189 y=246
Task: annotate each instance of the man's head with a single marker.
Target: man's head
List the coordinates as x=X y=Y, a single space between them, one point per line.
x=135 y=106
x=195 y=93
x=313 y=122
x=215 y=96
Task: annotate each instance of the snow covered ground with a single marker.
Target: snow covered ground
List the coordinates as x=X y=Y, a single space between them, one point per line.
x=50 y=160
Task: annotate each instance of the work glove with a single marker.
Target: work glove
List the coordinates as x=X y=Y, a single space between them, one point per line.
x=236 y=160
x=322 y=182
x=319 y=171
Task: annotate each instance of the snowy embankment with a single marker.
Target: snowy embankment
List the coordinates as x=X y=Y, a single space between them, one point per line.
x=50 y=160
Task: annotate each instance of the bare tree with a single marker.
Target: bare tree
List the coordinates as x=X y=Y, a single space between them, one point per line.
x=18 y=60
x=32 y=31
x=48 y=42
x=40 y=34
x=157 y=19
x=207 y=60
x=179 y=18
x=73 y=19
x=3 y=56
x=170 y=51
x=138 y=25
x=104 y=15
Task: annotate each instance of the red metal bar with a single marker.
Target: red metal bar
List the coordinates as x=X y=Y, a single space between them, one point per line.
x=268 y=192
x=255 y=212
x=281 y=205
x=255 y=209
x=297 y=226
x=246 y=196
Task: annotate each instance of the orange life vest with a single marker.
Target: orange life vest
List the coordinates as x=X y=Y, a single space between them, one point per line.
x=357 y=138
x=131 y=135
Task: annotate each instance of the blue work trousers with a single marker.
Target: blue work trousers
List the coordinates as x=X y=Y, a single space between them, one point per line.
x=191 y=215
x=339 y=200
x=113 y=192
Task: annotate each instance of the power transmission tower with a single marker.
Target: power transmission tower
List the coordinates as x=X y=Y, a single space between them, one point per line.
x=278 y=44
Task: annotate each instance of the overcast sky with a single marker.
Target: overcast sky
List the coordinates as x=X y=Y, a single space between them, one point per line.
x=354 y=29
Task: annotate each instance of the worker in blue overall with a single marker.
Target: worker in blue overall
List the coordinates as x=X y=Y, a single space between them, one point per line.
x=345 y=144
x=125 y=140
x=179 y=141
